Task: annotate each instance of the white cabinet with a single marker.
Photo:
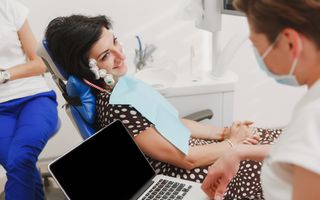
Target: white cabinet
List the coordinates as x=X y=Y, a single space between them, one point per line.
x=207 y=93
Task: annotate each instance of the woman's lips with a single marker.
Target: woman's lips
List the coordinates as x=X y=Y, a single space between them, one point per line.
x=119 y=66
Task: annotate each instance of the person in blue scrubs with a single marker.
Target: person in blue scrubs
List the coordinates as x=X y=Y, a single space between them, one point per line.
x=28 y=107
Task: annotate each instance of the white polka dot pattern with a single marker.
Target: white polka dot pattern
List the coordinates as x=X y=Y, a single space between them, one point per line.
x=129 y=116
x=245 y=185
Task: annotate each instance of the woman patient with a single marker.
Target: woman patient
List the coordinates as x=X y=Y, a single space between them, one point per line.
x=84 y=45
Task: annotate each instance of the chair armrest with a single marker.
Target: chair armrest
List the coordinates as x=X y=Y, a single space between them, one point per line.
x=200 y=115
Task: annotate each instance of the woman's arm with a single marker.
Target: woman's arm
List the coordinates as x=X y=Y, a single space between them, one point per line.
x=34 y=65
x=203 y=131
x=157 y=147
x=206 y=131
x=305 y=184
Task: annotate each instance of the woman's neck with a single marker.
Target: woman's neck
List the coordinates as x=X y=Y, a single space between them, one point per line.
x=314 y=75
x=310 y=66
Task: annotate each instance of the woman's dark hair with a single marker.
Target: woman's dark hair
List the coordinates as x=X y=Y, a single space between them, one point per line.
x=70 y=39
x=272 y=16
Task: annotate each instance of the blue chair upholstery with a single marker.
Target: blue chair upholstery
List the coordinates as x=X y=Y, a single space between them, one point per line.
x=78 y=95
x=84 y=114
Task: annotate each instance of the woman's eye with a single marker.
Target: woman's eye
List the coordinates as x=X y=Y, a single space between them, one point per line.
x=105 y=56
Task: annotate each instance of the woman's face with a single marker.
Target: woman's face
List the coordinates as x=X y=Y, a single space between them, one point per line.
x=279 y=59
x=108 y=53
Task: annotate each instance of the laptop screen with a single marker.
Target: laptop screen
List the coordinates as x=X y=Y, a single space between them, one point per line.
x=108 y=164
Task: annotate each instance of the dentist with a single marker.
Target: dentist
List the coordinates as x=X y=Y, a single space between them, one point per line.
x=286 y=36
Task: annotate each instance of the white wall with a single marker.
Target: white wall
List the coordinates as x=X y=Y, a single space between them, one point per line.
x=257 y=97
x=155 y=21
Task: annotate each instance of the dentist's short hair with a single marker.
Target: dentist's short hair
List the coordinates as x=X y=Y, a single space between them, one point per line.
x=270 y=17
x=70 y=39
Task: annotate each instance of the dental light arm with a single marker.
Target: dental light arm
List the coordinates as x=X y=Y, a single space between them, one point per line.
x=210 y=20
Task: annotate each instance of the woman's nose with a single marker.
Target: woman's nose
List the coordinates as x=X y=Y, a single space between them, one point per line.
x=119 y=52
x=119 y=56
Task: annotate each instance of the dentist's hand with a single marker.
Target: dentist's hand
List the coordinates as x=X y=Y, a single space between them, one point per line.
x=220 y=174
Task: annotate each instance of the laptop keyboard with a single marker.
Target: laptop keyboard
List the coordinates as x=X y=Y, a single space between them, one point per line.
x=168 y=190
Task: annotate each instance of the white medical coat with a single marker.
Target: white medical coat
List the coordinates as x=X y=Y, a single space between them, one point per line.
x=298 y=145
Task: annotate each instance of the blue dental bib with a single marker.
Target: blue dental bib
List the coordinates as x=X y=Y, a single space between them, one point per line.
x=154 y=107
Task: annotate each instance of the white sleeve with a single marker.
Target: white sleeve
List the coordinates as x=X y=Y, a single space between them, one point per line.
x=17 y=12
x=300 y=144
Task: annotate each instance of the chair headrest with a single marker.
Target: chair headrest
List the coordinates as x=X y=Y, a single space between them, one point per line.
x=45 y=54
x=77 y=88
x=81 y=100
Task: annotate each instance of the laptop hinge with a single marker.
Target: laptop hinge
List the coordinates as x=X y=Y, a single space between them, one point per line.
x=142 y=189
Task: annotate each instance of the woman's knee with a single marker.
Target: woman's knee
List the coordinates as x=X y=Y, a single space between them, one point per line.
x=22 y=160
x=24 y=153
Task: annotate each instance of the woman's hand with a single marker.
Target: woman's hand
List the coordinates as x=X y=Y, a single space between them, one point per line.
x=220 y=174
x=240 y=131
x=254 y=139
x=226 y=133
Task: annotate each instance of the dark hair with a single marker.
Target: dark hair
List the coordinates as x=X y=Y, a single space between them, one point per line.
x=70 y=39
x=270 y=17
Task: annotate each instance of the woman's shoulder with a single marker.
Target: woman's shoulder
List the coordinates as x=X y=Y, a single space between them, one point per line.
x=103 y=96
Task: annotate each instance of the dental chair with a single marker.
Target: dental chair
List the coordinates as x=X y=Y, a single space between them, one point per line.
x=80 y=107
x=80 y=102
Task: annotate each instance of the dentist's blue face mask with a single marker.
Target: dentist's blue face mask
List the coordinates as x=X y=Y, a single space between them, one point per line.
x=288 y=79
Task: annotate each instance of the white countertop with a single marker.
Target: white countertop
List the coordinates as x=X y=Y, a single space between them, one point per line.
x=206 y=84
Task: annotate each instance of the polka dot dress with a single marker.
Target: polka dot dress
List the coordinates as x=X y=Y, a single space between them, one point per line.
x=197 y=174
x=129 y=116
x=245 y=185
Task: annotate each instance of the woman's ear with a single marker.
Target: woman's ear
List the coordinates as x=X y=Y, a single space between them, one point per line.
x=294 y=41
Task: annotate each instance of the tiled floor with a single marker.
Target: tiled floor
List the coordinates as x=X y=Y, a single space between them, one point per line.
x=51 y=189
x=2 y=182
x=2 y=178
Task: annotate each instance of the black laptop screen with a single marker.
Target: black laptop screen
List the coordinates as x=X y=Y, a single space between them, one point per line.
x=109 y=165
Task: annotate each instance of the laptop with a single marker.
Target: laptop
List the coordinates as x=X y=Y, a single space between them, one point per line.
x=109 y=165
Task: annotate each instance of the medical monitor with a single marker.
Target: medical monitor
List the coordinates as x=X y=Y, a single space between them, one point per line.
x=227 y=8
